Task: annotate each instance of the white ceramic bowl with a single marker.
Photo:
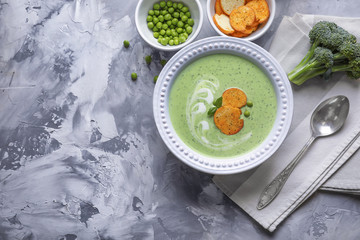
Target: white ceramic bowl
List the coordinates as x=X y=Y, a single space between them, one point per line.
x=249 y=51
x=141 y=13
x=210 y=7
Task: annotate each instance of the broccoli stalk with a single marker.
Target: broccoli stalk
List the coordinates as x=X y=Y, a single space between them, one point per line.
x=352 y=68
x=321 y=60
x=332 y=49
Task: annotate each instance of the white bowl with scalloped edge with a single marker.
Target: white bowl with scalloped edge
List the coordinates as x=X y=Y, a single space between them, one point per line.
x=244 y=49
x=141 y=13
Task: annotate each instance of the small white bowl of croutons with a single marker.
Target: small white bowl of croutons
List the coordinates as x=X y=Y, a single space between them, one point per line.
x=246 y=19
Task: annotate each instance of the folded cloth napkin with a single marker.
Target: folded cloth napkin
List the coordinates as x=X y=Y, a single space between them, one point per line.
x=322 y=160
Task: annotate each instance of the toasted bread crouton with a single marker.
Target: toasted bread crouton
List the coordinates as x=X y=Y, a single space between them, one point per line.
x=261 y=9
x=234 y=97
x=223 y=23
x=218 y=9
x=242 y=17
x=228 y=5
x=250 y=29
x=227 y=119
x=239 y=34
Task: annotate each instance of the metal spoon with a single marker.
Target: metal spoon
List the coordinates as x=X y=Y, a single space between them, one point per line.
x=327 y=118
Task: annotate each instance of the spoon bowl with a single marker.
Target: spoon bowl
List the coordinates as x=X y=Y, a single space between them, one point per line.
x=328 y=118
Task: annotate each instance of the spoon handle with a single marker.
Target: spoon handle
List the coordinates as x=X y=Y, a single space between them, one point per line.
x=272 y=190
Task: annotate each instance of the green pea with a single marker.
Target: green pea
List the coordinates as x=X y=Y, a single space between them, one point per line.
x=159 y=39
x=185 y=35
x=176 y=15
x=164 y=12
x=156 y=78
x=151 y=12
x=180 y=6
x=188 y=14
x=174 y=34
x=159 y=25
x=156 y=6
x=174 y=5
x=171 y=10
x=156 y=12
x=155 y=29
x=176 y=41
x=161 y=18
x=169 y=3
x=171 y=26
x=155 y=20
x=174 y=21
x=181 y=14
x=249 y=103
x=247 y=113
x=162 y=4
x=184 y=18
x=149 y=18
x=164 y=42
x=180 y=24
x=185 y=9
x=162 y=32
x=182 y=39
x=133 y=76
x=156 y=34
x=190 y=21
x=189 y=30
x=168 y=23
x=150 y=25
x=179 y=30
x=171 y=42
x=167 y=16
x=168 y=32
x=163 y=62
x=126 y=43
x=165 y=26
x=165 y=8
x=148 y=59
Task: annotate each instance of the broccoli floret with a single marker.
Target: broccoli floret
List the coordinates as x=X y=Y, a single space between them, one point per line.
x=350 y=50
x=337 y=38
x=321 y=31
x=323 y=56
x=332 y=49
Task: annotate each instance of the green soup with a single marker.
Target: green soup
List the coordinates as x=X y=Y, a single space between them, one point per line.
x=203 y=81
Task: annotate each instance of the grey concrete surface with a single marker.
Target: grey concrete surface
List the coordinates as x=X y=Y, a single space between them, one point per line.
x=80 y=156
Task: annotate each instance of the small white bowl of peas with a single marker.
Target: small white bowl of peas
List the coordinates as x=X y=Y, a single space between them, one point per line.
x=168 y=25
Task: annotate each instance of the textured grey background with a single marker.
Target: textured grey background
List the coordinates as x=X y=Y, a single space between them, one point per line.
x=80 y=156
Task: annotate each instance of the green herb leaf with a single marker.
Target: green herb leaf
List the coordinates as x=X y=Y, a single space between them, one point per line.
x=212 y=111
x=218 y=102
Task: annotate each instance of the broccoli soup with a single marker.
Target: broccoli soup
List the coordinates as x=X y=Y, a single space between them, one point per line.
x=198 y=87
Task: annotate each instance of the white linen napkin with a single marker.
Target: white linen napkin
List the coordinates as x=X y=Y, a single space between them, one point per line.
x=289 y=45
